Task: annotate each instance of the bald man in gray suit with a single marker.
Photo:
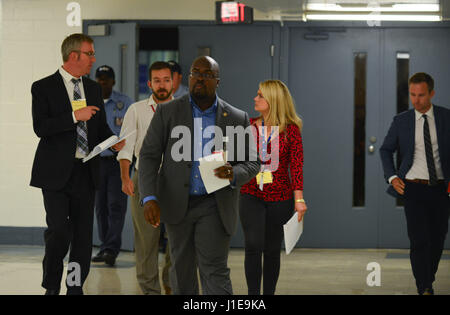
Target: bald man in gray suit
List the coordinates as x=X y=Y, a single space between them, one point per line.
x=199 y=224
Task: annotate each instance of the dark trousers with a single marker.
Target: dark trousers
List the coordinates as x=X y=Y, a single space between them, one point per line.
x=70 y=215
x=110 y=206
x=200 y=241
x=262 y=223
x=427 y=212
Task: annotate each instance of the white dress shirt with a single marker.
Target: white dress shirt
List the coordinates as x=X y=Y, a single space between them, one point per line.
x=138 y=117
x=67 y=79
x=419 y=169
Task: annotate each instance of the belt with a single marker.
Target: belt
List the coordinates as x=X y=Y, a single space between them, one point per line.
x=108 y=157
x=424 y=181
x=199 y=198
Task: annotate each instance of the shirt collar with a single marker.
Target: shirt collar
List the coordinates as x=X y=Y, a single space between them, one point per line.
x=67 y=76
x=151 y=101
x=429 y=113
x=115 y=97
x=212 y=109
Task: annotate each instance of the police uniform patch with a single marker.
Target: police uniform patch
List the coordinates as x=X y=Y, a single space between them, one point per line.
x=119 y=105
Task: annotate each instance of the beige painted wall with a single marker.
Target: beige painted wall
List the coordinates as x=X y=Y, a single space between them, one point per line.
x=31 y=32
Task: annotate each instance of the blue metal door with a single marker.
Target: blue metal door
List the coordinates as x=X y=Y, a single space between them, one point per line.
x=322 y=81
x=118 y=50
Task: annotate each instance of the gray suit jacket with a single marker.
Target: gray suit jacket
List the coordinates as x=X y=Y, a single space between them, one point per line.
x=169 y=180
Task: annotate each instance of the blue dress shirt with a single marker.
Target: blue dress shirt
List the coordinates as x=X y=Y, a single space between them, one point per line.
x=115 y=109
x=202 y=120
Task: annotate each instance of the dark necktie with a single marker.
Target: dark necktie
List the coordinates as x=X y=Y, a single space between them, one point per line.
x=82 y=142
x=429 y=152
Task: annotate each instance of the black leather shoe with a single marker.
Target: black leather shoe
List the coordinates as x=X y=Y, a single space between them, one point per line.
x=428 y=292
x=52 y=292
x=110 y=260
x=99 y=257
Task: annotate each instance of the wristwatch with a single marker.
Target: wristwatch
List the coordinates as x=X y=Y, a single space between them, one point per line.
x=300 y=200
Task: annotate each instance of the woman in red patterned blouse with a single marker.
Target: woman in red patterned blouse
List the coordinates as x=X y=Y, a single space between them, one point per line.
x=268 y=200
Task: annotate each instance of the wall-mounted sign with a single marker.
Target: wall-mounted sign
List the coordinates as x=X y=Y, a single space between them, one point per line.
x=231 y=12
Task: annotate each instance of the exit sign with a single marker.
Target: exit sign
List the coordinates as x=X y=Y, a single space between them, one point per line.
x=231 y=12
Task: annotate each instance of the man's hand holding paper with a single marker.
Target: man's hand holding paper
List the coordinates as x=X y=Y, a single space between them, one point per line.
x=225 y=172
x=119 y=146
x=215 y=173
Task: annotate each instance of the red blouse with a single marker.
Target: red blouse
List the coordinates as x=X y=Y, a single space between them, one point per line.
x=290 y=156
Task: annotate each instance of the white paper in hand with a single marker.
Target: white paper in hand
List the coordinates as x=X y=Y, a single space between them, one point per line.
x=292 y=232
x=207 y=166
x=99 y=148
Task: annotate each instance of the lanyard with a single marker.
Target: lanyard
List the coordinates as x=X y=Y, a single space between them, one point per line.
x=264 y=142
x=148 y=103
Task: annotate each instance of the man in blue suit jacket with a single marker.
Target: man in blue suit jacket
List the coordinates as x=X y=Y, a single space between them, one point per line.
x=421 y=137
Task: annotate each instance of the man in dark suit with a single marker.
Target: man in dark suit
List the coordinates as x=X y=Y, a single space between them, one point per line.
x=68 y=134
x=421 y=137
x=199 y=224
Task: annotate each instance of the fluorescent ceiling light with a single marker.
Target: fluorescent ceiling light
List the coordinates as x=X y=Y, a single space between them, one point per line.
x=382 y=8
x=373 y=17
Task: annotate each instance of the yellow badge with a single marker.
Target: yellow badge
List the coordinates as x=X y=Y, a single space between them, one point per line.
x=78 y=104
x=266 y=176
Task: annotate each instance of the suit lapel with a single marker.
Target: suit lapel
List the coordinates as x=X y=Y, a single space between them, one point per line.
x=61 y=90
x=411 y=130
x=89 y=101
x=222 y=115
x=438 y=119
x=186 y=117
x=222 y=121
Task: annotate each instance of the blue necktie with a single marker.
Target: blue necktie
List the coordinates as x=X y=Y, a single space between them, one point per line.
x=82 y=141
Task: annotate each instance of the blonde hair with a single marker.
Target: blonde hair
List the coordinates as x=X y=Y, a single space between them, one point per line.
x=281 y=105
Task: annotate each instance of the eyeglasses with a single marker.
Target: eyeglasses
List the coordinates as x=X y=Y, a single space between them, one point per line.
x=90 y=54
x=206 y=75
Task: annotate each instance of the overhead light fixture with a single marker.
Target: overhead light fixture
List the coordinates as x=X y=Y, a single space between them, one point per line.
x=373 y=17
x=400 y=7
x=373 y=11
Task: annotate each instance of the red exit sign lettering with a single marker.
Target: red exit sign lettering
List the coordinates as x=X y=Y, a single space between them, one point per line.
x=231 y=12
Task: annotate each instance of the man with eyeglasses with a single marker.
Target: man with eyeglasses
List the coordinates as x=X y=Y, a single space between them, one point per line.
x=69 y=118
x=199 y=224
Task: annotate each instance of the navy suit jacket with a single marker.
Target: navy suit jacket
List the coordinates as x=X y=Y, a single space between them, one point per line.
x=53 y=124
x=401 y=139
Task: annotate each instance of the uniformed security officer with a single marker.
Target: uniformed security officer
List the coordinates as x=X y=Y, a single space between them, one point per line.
x=111 y=202
x=179 y=89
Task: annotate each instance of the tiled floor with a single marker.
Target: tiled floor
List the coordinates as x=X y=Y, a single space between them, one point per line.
x=304 y=271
